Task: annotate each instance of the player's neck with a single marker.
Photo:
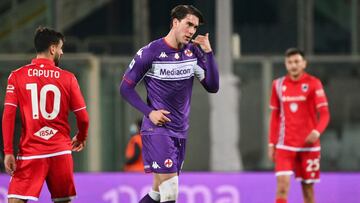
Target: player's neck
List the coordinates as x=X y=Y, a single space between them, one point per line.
x=170 y=39
x=296 y=77
x=44 y=56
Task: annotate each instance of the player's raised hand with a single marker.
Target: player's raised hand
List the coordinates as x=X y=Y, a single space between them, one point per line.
x=312 y=137
x=203 y=41
x=10 y=164
x=77 y=145
x=158 y=117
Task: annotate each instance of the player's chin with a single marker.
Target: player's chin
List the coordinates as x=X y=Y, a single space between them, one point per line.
x=186 y=41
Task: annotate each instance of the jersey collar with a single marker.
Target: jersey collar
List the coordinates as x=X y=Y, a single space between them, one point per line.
x=304 y=76
x=43 y=61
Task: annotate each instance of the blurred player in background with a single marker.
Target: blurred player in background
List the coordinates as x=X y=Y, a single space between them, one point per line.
x=168 y=67
x=45 y=94
x=299 y=116
x=134 y=161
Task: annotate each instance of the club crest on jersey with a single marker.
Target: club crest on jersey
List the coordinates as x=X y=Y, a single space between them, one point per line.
x=283 y=88
x=305 y=87
x=188 y=52
x=294 y=107
x=176 y=56
x=46 y=133
x=168 y=163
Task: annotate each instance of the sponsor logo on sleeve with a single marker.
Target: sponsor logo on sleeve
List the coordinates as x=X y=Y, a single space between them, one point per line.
x=320 y=93
x=131 y=65
x=10 y=87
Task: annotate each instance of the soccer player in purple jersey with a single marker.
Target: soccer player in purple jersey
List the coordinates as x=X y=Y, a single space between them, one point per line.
x=168 y=67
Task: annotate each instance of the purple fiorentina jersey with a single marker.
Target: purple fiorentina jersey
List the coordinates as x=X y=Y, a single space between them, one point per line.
x=168 y=75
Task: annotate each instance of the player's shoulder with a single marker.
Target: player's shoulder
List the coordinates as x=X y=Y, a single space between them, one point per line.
x=20 y=70
x=279 y=80
x=150 y=48
x=312 y=78
x=65 y=74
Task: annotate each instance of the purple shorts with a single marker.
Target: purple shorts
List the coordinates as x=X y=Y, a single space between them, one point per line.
x=162 y=153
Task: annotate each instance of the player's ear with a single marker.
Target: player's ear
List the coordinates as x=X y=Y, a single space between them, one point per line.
x=52 y=49
x=175 y=22
x=305 y=63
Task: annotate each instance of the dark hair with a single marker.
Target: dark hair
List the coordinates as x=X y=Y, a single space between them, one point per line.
x=179 y=12
x=45 y=37
x=294 y=51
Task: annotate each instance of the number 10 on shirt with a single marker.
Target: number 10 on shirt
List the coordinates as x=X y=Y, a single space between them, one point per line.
x=35 y=103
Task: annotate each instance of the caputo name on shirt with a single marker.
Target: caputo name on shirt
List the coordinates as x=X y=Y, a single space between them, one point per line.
x=43 y=73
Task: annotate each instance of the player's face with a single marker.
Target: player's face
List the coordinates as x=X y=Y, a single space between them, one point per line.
x=58 y=52
x=295 y=65
x=185 y=28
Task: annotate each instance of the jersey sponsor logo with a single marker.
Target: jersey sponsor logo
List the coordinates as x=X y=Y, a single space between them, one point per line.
x=46 y=133
x=163 y=55
x=155 y=165
x=320 y=93
x=43 y=73
x=10 y=87
x=172 y=71
x=294 y=107
x=293 y=98
x=175 y=72
x=132 y=63
x=305 y=87
x=188 y=52
x=168 y=163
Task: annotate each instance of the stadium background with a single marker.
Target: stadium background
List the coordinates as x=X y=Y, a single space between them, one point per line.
x=228 y=131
